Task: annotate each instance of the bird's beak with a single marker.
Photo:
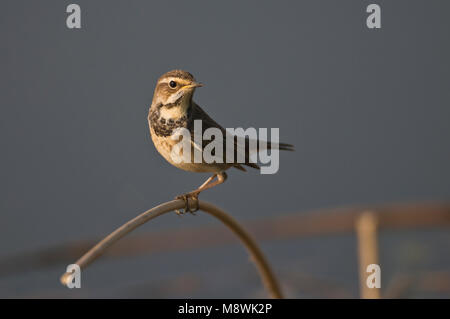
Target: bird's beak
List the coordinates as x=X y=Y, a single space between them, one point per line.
x=192 y=85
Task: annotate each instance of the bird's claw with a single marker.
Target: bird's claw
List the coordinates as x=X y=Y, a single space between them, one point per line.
x=187 y=208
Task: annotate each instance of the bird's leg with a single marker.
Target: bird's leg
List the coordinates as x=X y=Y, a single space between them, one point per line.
x=221 y=177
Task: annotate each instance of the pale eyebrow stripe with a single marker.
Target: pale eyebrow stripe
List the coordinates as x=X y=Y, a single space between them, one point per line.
x=167 y=80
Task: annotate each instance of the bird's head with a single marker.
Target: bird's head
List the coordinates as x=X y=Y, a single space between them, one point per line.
x=174 y=89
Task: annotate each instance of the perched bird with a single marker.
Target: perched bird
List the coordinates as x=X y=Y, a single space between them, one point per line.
x=173 y=108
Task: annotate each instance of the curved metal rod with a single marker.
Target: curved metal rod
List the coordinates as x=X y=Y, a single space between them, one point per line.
x=266 y=274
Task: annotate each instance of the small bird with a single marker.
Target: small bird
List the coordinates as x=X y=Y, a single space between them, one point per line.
x=173 y=108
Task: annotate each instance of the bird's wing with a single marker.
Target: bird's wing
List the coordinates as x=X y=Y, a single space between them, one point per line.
x=240 y=145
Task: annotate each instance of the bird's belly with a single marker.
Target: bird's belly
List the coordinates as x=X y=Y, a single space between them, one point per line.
x=164 y=146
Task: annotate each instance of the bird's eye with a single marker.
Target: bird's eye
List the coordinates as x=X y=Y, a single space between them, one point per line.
x=173 y=84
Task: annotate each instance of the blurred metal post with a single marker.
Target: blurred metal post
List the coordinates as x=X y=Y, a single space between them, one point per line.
x=366 y=232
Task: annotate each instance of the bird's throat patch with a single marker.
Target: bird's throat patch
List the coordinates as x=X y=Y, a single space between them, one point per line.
x=163 y=126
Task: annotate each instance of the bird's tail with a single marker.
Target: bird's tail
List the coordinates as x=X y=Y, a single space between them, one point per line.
x=280 y=146
x=252 y=146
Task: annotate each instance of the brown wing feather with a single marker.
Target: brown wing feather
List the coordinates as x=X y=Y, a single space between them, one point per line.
x=208 y=122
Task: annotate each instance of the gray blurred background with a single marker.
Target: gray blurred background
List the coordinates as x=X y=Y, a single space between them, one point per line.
x=367 y=110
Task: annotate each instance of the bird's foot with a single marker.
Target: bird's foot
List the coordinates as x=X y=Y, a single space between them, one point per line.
x=187 y=208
